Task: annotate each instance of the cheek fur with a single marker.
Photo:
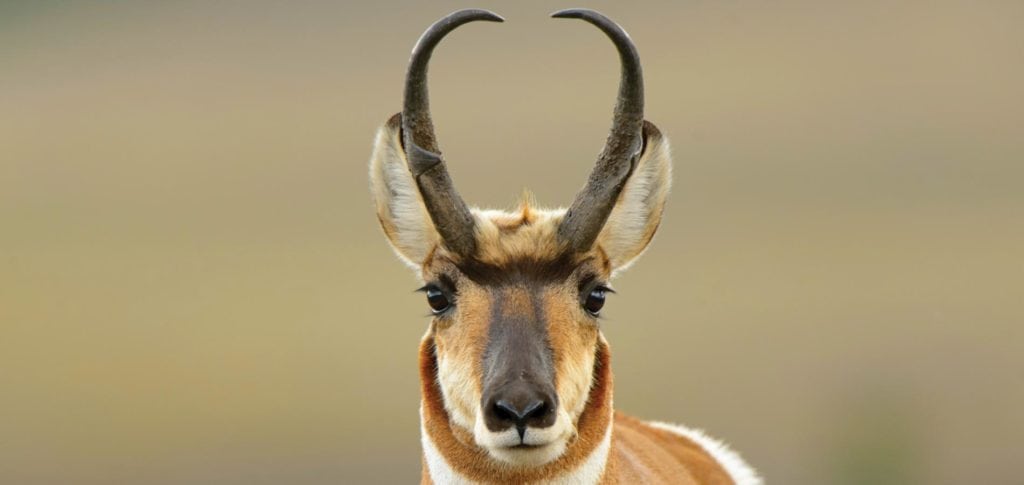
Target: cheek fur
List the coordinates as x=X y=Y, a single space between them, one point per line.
x=573 y=337
x=458 y=390
x=460 y=344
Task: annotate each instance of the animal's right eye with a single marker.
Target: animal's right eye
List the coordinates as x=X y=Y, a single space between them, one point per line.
x=437 y=300
x=595 y=300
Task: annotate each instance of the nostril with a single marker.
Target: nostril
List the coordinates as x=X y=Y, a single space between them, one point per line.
x=505 y=411
x=521 y=410
x=535 y=410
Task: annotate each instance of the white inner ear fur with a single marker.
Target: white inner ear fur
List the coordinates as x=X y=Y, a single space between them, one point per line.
x=636 y=215
x=399 y=205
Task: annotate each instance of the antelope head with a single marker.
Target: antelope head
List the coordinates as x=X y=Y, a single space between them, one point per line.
x=514 y=351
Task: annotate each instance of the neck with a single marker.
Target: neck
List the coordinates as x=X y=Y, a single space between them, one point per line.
x=451 y=456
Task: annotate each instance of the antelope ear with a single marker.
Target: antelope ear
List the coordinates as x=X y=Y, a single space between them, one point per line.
x=637 y=213
x=400 y=208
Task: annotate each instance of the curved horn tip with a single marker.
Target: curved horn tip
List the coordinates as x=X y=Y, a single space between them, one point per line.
x=479 y=14
x=576 y=13
x=599 y=20
x=566 y=13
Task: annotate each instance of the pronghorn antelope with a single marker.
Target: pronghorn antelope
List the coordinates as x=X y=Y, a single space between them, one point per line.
x=516 y=375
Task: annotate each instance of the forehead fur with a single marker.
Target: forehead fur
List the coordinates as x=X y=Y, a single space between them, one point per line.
x=527 y=233
x=520 y=245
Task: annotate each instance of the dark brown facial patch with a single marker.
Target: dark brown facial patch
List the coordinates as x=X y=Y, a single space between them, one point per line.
x=522 y=271
x=515 y=336
x=518 y=363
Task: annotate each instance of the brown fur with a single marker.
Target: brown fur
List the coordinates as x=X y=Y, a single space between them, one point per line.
x=639 y=453
x=642 y=454
x=474 y=463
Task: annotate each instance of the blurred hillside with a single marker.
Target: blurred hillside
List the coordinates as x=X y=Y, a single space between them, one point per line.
x=194 y=289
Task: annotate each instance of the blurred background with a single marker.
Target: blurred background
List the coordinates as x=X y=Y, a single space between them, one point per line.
x=194 y=289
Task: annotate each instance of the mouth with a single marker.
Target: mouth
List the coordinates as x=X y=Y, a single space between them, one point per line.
x=531 y=448
x=531 y=454
x=520 y=444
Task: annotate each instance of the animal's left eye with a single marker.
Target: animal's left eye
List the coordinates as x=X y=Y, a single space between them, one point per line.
x=595 y=300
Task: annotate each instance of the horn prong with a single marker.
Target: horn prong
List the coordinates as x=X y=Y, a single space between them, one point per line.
x=449 y=213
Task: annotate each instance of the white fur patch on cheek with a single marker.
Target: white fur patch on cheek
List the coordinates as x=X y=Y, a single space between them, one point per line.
x=575 y=380
x=459 y=391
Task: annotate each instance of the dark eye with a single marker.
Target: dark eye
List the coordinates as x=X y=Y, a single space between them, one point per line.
x=595 y=300
x=437 y=300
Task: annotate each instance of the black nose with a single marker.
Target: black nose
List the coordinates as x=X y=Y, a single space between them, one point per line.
x=521 y=405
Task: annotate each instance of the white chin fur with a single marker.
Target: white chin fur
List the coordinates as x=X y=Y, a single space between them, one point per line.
x=545 y=444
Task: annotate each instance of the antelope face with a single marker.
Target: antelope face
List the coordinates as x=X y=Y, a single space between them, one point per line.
x=516 y=296
x=515 y=334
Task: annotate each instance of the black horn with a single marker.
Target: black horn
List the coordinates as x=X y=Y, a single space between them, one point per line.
x=447 y=210
x=589 y=211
